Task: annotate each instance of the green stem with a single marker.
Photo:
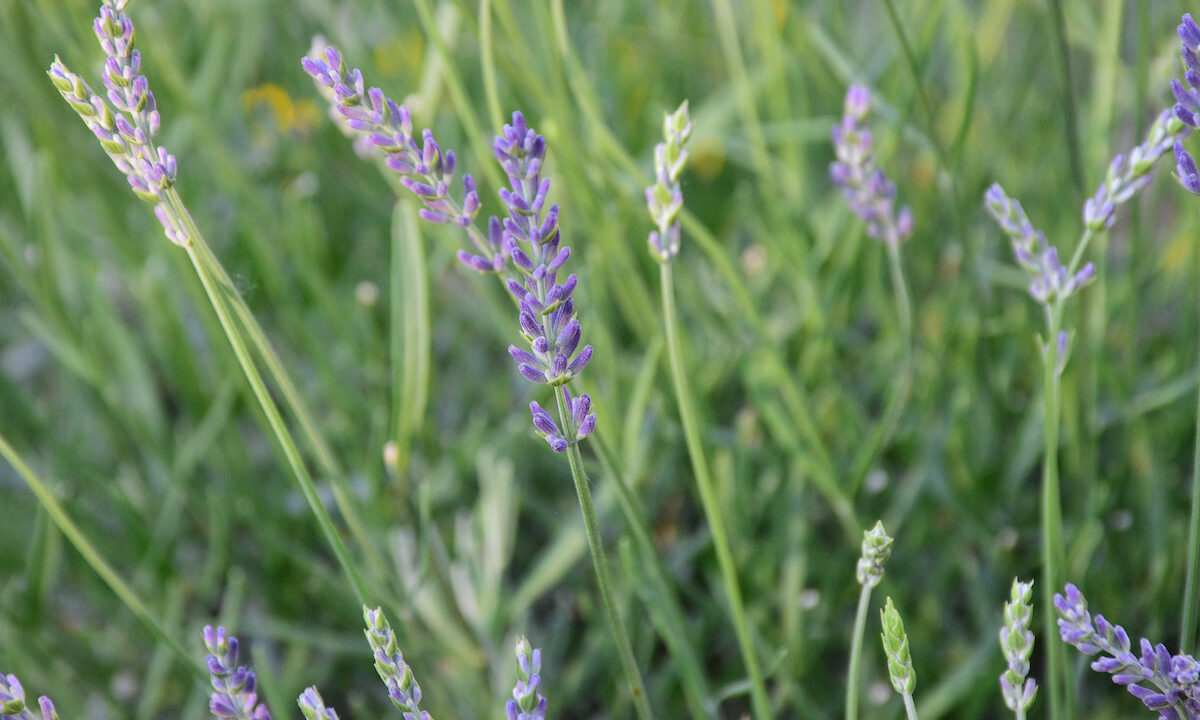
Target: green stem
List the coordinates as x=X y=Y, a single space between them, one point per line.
x=1052 y=540
x=902 y=386
x=910 y=708
x=1068 y=102
x=708 y=497
x=856 y=641
x=487 y=60
x=1187 y=635
x=218 y=296
x=92 y=556
x=287 y=388
x=591 y=526
x=727 y=29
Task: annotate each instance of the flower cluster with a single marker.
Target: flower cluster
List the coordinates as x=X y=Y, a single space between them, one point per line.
x=529 y=234
x=1129 y=174
x=1016 y=642
x=665 y=198
x=313 y=706
x=13 y=705
x=1173 y=680
x=389 y=663
x=1187 y=101
x=424 y=169
x=126 y=134
x=895 y=646
x=867 y=189
x=233 y=696
x=527 y=702
x=876 y=548
x=1050 y=281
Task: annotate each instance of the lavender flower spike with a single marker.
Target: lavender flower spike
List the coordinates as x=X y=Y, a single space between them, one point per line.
x=1168 y=684
x=665 y=198
x=1049 y=282
x=126 y=133
x=1127 y=175
x=13 y=705
x=233 y=696
x=424 y=168
x=1187 y=101
x=1016 y=642
x=876 y=548
x=895 y=646
x=389 y=663
x=527 y=702
x=867 y=189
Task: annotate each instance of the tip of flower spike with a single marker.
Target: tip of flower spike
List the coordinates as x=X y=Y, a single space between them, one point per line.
x=858 y=102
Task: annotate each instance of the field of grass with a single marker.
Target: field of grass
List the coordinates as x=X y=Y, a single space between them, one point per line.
x=121 y=393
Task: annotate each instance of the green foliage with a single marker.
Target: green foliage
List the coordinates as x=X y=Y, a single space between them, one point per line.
x=119 y=389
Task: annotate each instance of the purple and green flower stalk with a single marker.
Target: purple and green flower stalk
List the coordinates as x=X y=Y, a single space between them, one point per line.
x=527 y=702
x=126 y=134
x=872 y=196
x=1168 y=684
x=233 y=696
x=664 y=200
x=125 y=120
x=402 y=687
x=876 y=548
x=1052 y=283
x=13 y=705
x=899 y=660
x=1016 y=642
x=1186 y=110
x=530 y=236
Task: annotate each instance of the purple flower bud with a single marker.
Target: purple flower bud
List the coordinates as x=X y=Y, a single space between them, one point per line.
x=581 y=360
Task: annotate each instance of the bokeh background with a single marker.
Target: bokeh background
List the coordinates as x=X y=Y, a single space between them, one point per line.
x=119 y=389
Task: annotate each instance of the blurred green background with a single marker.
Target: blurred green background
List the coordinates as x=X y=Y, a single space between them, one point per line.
x=118 y=387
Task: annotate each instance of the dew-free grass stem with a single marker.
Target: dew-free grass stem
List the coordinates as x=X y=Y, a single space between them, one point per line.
x=93 y=557
x=708 y=496
x=1187 y=636
x=856 y=641
x=218 y=296
x=637 y=689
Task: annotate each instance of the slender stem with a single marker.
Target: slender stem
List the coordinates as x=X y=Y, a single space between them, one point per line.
x=902 y=385
x=93 y=557
x=910 y=707
x=708 y=497
x=727 y=29
x=1187 y=636
x=1052 y=540
x=596 y=546
x=856 y=641
x=1068 y=103
x=487 y=60
x=287 y=388
x=218 y=297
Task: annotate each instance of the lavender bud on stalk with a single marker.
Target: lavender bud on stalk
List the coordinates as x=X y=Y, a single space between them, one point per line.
x=876 y=548
x=1166 y=683
x=126 y=134
x=1129 y=174
x=527 y=702
x=389 y=663
x=233 y=696
x=1187 y=101
x=13 y=705
x=313 y=706
x=665 y=198
x=895 y=646
x=866 y=188
x=1016 y=642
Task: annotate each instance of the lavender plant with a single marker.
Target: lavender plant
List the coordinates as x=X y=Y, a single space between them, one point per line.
x=125 y=121
x=876 y=548
x=872 y=196
x=13 y=705
x=1186 y=108
x=530 y=237
x=664 y=200
x=899 y=661
x=527 y=702
x=1052 y=284
x=1168 y=684
x=233 y=696
x=1016 y=642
